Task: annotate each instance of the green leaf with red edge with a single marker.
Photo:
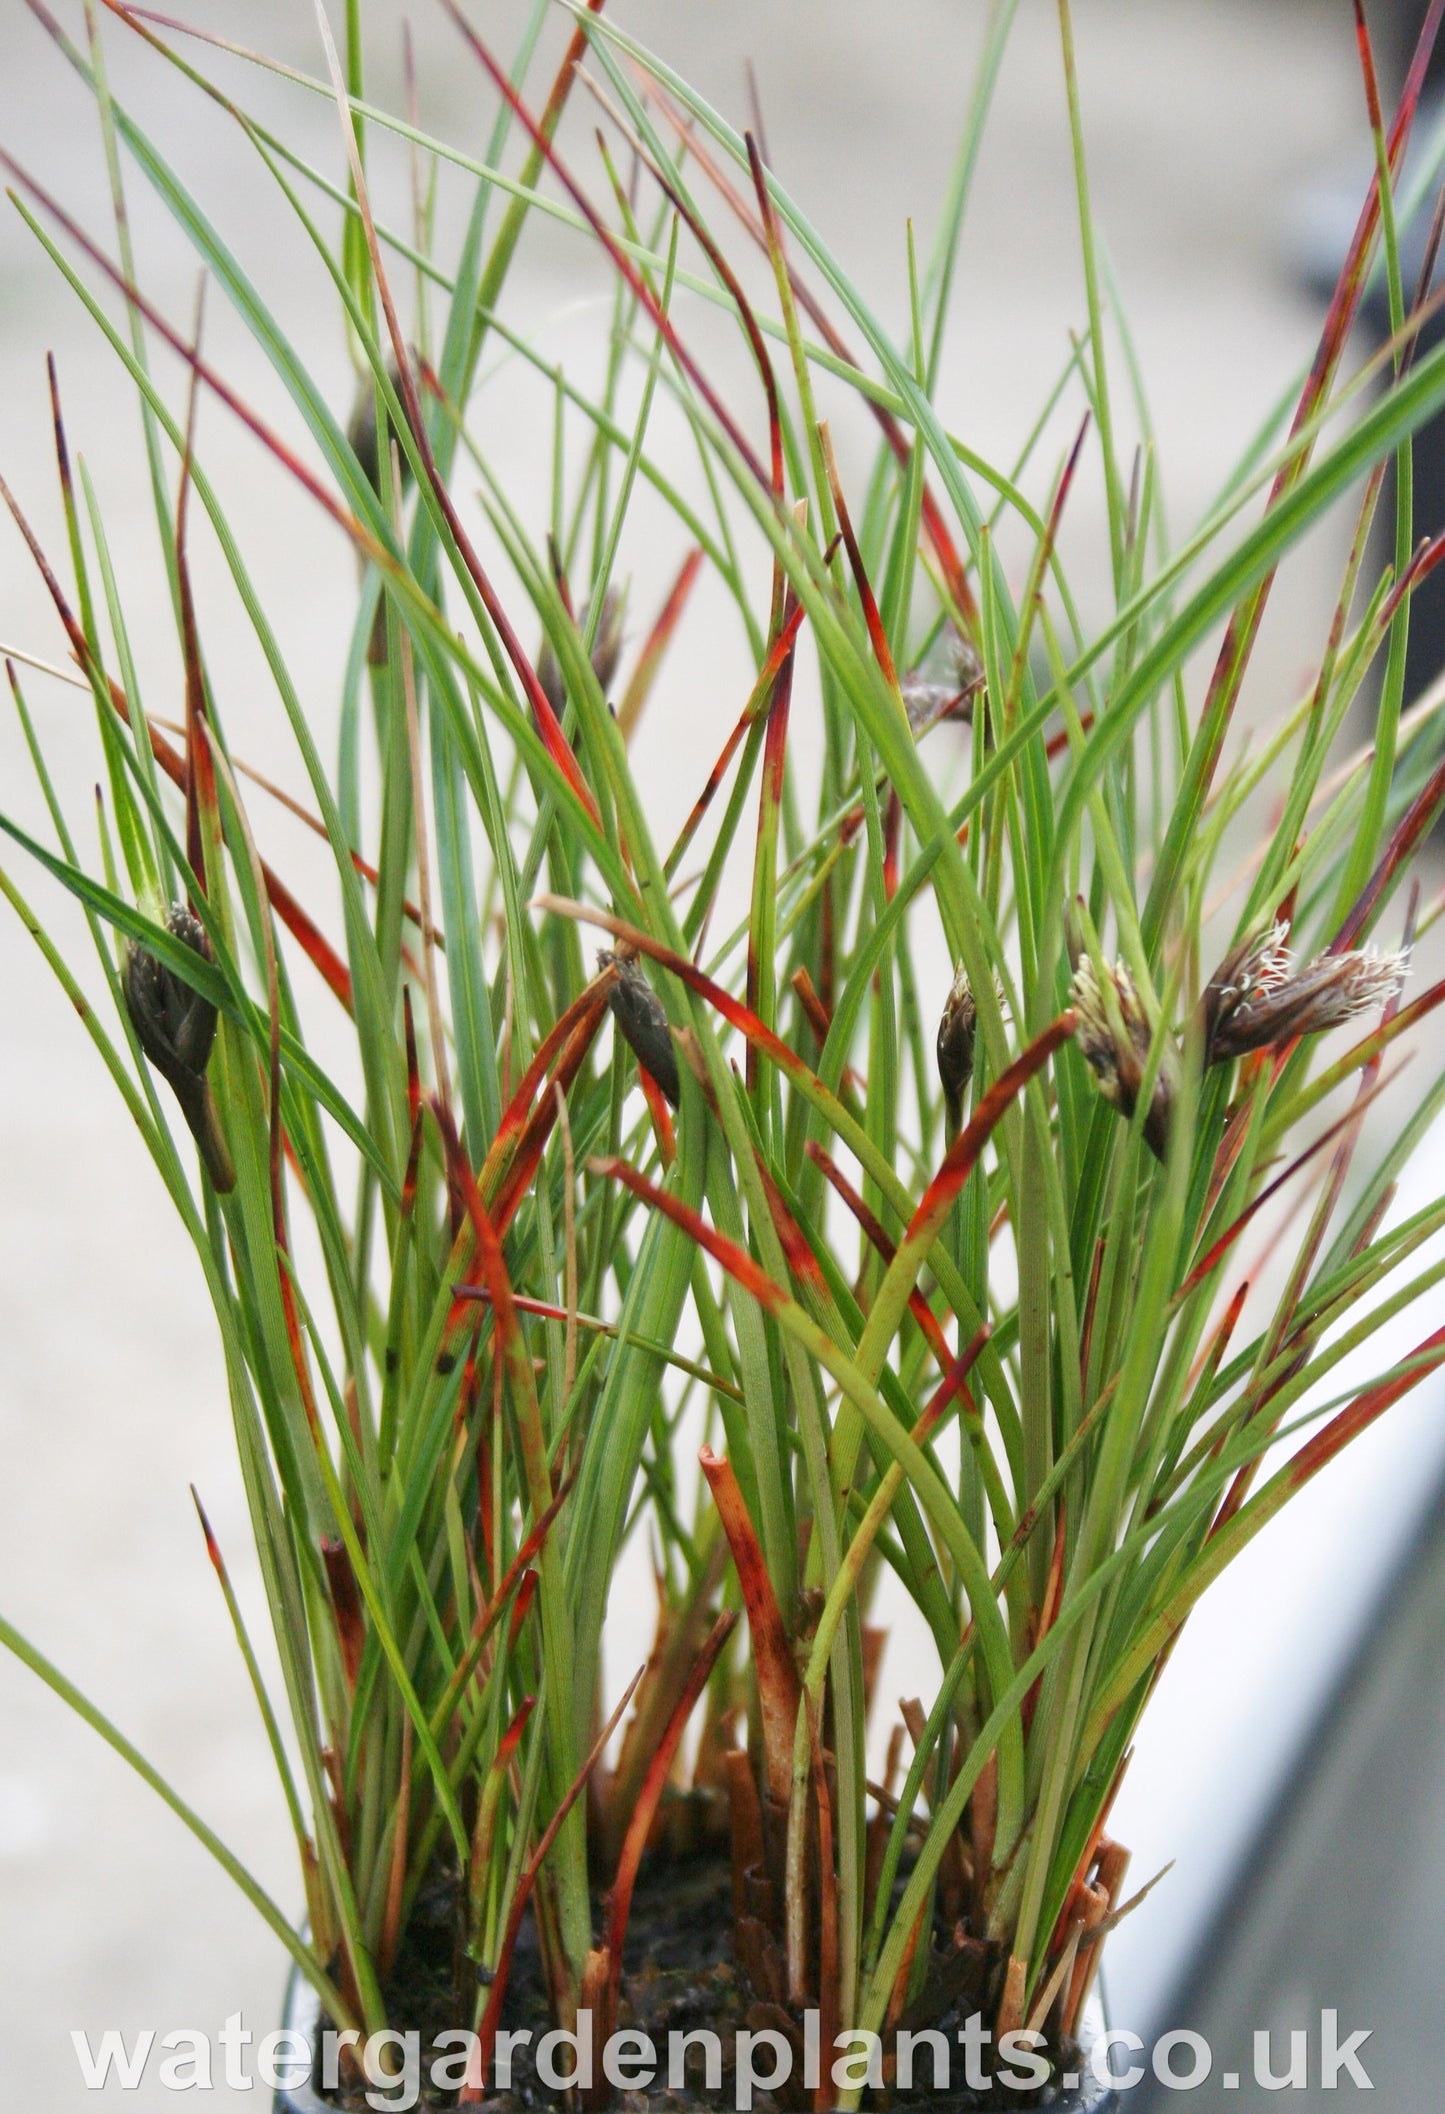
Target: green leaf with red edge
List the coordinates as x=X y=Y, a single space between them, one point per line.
x=1407 y=833
x=762 y=972
x=872 y=1232
x=758 y=697
x=1219 y=1248
x=735 y=1013
x=846 y=1127
x=625 y=268
x=655 y=645
x=486 y=1621
x=207 y=978
x=543 y=1118
x=317 y=948
x=477 y=2069
x=479 y=1865
x=937 y=1501
x=1221 y=1548
x=777 y=1671
x=1245 y=620
x=935 y=524
x=937 y=1201
x=557 y=1642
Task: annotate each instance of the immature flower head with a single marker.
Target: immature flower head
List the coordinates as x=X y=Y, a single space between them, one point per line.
x=175 y=1026
x=947 y=695
x=1114 y=1035
x=956 y=1032
x=1259 y=995
x=606 y=650
x=642 y=1021
x=361 y=429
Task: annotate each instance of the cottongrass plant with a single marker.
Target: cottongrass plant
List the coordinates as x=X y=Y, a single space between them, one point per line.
x=941 y=1275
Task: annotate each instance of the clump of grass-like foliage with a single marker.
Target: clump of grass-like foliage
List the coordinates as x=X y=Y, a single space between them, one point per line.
x=943 y=1274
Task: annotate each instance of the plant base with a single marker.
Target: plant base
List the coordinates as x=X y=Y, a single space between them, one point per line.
x=681 y=1928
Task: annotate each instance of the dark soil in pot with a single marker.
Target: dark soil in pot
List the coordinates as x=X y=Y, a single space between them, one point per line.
x=681 y=1977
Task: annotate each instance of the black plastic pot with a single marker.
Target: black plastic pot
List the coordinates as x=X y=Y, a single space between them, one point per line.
x=1084 y=2095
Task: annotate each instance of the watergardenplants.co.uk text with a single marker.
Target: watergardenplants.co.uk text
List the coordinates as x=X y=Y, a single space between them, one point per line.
x=391 y=2061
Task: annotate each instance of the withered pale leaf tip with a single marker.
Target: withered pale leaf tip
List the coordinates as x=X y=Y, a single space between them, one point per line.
x=175 y=1027
x=1260 y=995
x=642 y=1021
x=1115 y=1039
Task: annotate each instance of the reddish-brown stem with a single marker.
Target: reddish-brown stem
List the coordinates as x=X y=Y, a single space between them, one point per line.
x=777 y=1672
x=649 y=1798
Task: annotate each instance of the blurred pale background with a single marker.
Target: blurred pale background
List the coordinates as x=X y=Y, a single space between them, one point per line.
x=1204 y=118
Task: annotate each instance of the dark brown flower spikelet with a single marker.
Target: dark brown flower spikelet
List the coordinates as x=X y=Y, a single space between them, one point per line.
x=956 y=1033
x=361 y=429
x=175 y=1026
x=1258 y=996
x=606 y=650
x=642 y=1021
x=1115 y=1041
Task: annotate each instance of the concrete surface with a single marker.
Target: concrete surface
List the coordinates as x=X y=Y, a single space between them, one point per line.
x=1200 y=116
